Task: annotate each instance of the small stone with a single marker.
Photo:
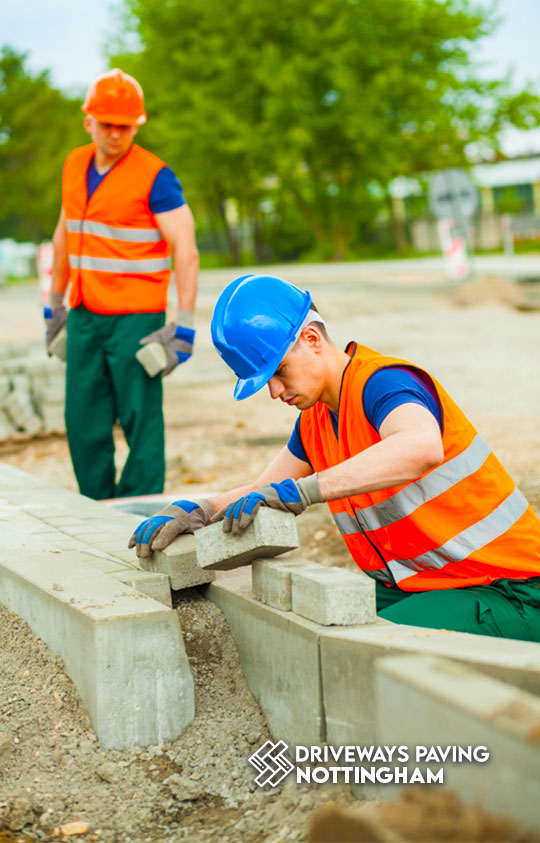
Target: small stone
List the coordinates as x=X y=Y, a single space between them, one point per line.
x=6 y=746
x=69 y=829
x=20 y=813
x=46 y=821
x=108 y=772
x=183 y=789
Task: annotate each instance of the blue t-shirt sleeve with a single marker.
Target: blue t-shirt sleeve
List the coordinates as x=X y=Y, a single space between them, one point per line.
x=388 y=388
x=295 y=443
x=166 y=193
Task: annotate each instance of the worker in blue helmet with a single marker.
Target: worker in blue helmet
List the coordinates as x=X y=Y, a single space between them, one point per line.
x=422 y=504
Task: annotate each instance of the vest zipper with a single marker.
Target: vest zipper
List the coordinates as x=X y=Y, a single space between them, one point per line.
x=376 y=549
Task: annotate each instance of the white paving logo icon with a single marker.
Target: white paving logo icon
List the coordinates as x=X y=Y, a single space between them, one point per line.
x=271 y=764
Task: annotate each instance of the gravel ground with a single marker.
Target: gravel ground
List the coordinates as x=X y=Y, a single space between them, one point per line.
x=199 y=787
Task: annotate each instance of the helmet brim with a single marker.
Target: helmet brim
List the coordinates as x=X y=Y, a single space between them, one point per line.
x=116 y=119
x=246 y=387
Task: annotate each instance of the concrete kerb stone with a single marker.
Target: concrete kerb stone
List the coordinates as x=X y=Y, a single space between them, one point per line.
x=278 y=652
x=279 y=655
x=123 y=651
x=156 y=586
x=333 y=596
x=424 y=701
x=271 y=532
x=349 y=656
x=271 y=580
x=179 y=562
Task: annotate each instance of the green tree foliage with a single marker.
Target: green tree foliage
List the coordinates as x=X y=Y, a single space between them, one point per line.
x=38 y=126
x=311 y=107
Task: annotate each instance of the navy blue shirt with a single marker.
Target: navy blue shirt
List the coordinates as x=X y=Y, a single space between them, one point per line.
x=166 y=193
x=385 y=390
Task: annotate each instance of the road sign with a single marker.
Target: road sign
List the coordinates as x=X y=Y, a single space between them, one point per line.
x=452 y=195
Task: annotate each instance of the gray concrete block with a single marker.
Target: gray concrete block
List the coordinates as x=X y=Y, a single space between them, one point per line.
x=152 y=357
x=58 y=346
x=333 y=596
x=20 y=383
x=349 y=656
x=428 y=702
x=53 y=417
x=155 y=586
x=20 y=410
x=7 y=429
x=271 y=580
x=279 y=657
x=4 y=388
x=179 y=562
x=272 y=532
x=123 y=650
x=51 y=390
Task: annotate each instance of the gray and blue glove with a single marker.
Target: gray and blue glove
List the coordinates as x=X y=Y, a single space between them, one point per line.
x=177 y=338
x=55 y=316
x=289 y=496
x=161 y=529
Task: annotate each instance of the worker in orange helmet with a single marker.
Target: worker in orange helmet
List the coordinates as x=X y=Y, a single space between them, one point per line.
x=123 y=218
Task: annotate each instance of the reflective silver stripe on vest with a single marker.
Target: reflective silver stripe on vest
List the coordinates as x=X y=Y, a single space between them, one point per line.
x=133 y=235
x=118 y=265
x=470 y=540
x=404 y=502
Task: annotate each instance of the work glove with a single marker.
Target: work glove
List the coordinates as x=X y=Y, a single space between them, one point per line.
x=289 y=496
x=177 y=338
x=161 y=529
x=55 y=316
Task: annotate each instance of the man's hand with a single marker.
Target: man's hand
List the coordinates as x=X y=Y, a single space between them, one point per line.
x=55 y=316
x=161 y=529
x=177 y=338
x=289 y=495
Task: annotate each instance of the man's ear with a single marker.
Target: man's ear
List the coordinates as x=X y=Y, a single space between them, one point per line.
x=87 y=123
x=312 y=337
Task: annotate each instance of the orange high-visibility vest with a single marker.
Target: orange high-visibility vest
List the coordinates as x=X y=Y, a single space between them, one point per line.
x=459 y=524
x=119 y=262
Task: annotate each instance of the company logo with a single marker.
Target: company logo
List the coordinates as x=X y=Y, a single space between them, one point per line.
x=271 y=763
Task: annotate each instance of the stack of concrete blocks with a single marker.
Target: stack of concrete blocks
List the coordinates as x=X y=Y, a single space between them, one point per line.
x=32 y=394
x=66 y=570
x=325 y=595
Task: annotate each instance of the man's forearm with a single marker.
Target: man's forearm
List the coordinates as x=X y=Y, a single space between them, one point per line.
x=390 y=462
x=186 y=275
x=60 y=267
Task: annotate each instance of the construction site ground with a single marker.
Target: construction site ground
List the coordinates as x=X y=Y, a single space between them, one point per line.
x=480 y=339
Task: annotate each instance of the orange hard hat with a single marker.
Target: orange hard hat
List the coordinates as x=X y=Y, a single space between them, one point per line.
x=116 y=98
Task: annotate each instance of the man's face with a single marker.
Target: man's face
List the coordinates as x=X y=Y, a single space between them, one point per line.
x=299 y=380
x=111 y=139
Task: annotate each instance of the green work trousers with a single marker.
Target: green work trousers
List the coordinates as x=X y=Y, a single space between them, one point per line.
x=105 y=383
x=505 y=609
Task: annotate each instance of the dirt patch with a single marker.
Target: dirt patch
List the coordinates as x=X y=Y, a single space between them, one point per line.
x=199 y=786
x=418 y=816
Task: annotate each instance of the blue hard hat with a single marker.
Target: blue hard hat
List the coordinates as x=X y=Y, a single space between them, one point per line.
x=255 y=321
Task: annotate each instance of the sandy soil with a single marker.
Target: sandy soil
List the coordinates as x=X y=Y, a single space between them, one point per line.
x=199 y=787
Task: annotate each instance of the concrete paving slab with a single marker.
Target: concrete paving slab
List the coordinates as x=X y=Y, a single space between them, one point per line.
x=424 y=701
x=271 y=580
x=179 y=562
x=333 y=596
x=348 y=657
x=279 y=656
x=123 y=650
x=271 y=532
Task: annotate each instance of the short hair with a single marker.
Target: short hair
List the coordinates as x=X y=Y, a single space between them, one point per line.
x=319 y=325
